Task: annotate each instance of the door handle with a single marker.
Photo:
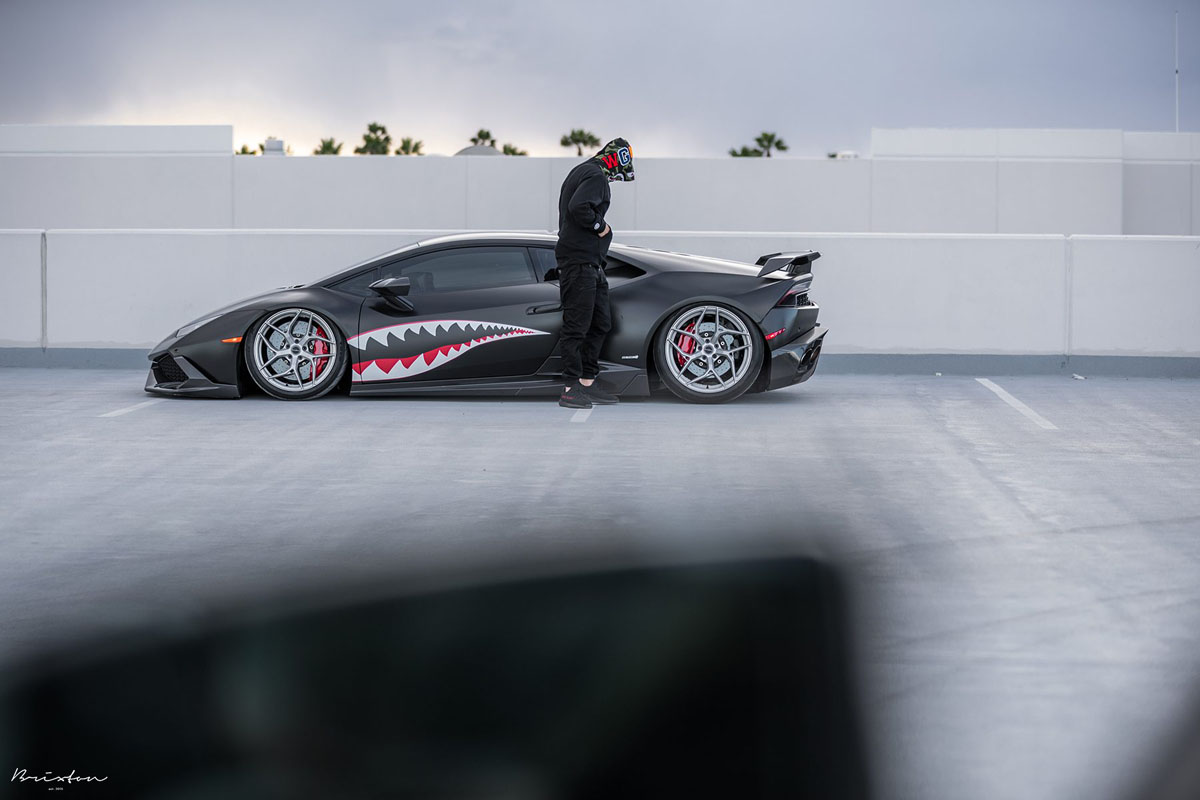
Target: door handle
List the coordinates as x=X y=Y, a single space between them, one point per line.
x=544 y=309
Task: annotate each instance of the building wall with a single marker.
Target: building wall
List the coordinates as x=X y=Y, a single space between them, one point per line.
x=1135 y=296
x=21 y=297
x=997 y=181
x=880 y=293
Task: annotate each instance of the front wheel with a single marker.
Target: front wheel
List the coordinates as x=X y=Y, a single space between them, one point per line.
x=708 y=353
x=295 y=354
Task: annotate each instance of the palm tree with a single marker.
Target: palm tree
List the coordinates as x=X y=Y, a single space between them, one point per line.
x=767 y=141
x=746 y=152
x=328 y=148
x=513 y=150
x=580 y=139
x=245 y=151
x=409 y=147
x=484 y=137
x=376 y=141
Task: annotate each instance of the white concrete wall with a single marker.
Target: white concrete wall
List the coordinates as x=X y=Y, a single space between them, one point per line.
x=1157 y=197
x=918 y=293
x=1070 y=143
x=908 y=293
x=884 y=195
x=132 y=288
x=116 y=191
x=1135 y=296
x=21 y=296
x=1196 y=199
x=357 y=193
x=934 y=195
x=1160 y=183
x=1043 y=196
x=752 y=194
x=1073 y=182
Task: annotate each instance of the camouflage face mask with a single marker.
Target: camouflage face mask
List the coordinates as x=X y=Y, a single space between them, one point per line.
x=616 y=159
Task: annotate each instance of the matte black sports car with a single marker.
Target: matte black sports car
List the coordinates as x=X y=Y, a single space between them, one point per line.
x=479 y=314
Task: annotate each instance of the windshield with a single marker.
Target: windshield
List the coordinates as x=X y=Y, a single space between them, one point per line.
x=386 y=254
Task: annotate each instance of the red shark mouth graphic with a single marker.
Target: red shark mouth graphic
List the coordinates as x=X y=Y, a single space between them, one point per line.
x=474 y=334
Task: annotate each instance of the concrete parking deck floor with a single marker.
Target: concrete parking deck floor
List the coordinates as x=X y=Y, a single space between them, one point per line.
x=1028 y=551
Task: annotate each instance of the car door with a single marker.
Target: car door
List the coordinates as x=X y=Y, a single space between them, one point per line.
x=478 y=312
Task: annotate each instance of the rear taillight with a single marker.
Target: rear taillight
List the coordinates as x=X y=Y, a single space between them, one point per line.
x=798 y=294
x=793 y=299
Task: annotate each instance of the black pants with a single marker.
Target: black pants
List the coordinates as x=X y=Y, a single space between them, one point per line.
x=587 y=319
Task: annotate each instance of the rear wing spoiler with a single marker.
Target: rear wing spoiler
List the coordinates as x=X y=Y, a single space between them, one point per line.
x=796 y=263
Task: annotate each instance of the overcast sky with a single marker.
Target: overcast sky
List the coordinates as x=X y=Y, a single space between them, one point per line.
x=675 y=78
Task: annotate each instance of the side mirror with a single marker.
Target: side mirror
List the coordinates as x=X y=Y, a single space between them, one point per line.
x=551 y=275
x=394 y=290
x=392 y=287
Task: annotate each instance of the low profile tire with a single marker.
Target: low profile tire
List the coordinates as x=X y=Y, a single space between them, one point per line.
x=295 y=354
x=708 y=353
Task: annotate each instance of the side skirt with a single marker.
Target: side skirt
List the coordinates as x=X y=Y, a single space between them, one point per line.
x=622 y=380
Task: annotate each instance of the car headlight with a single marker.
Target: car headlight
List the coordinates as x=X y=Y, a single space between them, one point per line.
x=186 y=329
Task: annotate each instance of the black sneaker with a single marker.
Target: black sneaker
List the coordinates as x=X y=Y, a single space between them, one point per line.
x=598 y=396
x=573 y=397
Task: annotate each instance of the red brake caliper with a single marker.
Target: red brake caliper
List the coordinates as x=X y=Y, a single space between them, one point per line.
x=319 y=349
x=686 y=343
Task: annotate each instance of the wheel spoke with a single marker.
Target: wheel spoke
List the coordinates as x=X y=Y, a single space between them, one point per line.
x=685 y=365
x=691 y=333
x=280 y=331
x=271 y=361
x=699 y=377
x=275 y=350
x=682 y=352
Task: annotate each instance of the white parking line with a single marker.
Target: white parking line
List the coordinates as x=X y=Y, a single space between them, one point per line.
x=127 y=409
x=1029 y=413
x=581 y=415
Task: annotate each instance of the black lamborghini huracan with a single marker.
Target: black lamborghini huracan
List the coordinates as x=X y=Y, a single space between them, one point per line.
x=478 y=314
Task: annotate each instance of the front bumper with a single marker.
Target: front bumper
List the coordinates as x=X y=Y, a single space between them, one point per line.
x=176 y=376
x=796 y=361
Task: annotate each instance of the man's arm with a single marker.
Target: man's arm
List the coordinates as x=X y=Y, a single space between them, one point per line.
x=586 y=200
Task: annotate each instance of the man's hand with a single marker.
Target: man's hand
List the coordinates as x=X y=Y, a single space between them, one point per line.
x=607 y=230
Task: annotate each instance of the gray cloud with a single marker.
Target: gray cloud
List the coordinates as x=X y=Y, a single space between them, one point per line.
x=676 y=78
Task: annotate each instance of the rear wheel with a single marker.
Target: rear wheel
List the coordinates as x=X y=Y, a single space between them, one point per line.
x=708 y=353
x=295 y=354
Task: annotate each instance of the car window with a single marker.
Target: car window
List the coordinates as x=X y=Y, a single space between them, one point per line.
x=546 y=266
x=463 y=268
x=544 y=262
x=358 y=284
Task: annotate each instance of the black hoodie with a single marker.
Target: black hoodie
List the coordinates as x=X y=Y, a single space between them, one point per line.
x=584 y=201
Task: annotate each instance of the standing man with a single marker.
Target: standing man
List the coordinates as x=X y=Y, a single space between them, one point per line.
x=583 y=240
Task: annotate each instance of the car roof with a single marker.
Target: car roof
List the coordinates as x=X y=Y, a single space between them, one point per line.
x=503 y=236
x=647 y=257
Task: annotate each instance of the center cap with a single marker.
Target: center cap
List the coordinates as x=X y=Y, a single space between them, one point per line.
x=708 y=348
x=295 y=348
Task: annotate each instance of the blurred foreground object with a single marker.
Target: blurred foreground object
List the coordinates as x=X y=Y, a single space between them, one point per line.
x=725 y=680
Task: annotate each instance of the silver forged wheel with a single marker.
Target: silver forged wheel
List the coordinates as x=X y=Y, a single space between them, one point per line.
x=295 y=354
x=709 y=351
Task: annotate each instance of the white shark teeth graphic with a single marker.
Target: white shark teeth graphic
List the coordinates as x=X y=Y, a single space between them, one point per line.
x=393 y=369
x=380 y=335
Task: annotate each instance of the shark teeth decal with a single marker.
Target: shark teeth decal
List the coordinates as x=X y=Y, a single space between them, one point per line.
x=384 y=355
